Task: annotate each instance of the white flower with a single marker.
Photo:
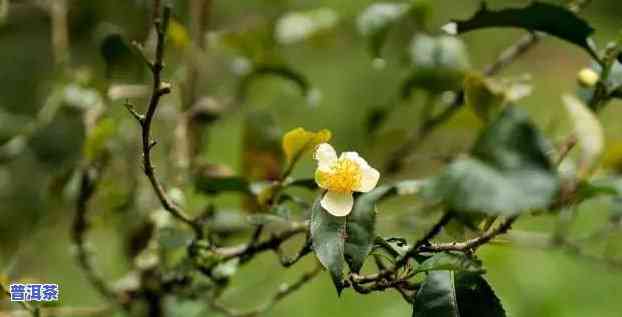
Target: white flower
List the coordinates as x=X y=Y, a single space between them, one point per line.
x=342 y=176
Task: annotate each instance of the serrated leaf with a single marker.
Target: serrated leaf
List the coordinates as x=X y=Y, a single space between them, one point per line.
x=215 y=184
x=377 y=19
x=451 y=261
x=589 y=132
x=439 y=64
x=508 y=174
x=299 y=141
x=360 y=227
x=456 y=294
x=328 y=238
x=535 y=17
x=298 y=26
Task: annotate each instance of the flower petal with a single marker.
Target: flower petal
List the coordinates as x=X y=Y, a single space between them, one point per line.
x=369 y=175
x=337 y=204
x=369 y=179
x=325 y=155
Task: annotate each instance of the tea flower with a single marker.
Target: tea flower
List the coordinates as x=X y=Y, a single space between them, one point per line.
x=342 y=176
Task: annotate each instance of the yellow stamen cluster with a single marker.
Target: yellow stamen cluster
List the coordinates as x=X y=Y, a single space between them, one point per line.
x=343 y=177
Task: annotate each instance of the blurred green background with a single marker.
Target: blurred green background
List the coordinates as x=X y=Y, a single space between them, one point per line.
x=36 y=190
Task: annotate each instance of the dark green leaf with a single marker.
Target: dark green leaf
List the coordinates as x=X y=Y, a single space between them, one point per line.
x=216 y=185
x=360 y=227
x=508 y=174
x=513 y=142
x=122 y=60
x=543 y=17
x=456 y=294
x=308 y=183
x=451 y=261
x=328 y=237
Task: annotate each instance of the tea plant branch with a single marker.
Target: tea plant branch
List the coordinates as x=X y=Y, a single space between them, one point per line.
x=32 y=310
x=247 y=250
x=284 y=291
x=88 y=182
x=159 y=89
x=472 y=244
x=504 y=59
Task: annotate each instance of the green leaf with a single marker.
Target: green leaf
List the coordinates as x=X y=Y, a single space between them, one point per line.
x=298 y=26
x=535 y=17
x=589 y=132
x=280 y=71
x=395 y=247
x=360 y=227
x=483 y=96
x=451 y=261
x=513 y=142
x=122 y=60
x=215 y=184
x=98 y=137
x=440 y=64
x=376 y=20
x=508 y=174
x=456 y=294
x=299 y=141
x=328 y=237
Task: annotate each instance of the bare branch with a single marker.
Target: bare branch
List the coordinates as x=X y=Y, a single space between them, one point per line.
x=159 y=89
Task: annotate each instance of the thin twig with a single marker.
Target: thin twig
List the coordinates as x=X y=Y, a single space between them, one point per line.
x=88 y=183
x=472 y=244
x=159 y=89
x=284 y=291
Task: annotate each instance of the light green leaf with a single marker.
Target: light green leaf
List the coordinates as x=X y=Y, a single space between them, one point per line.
x=298 y=141
x=98 y=137
x=451 y=261
x=534 y=17
x=376 y=20
x=456 y=294
x=295 y=27
x=440 y=64
x=589 y=132
x=328 y=237
x=483 y=96
x=360 y=227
